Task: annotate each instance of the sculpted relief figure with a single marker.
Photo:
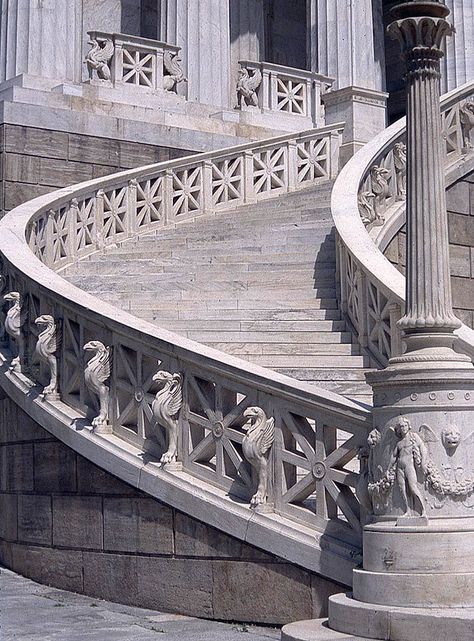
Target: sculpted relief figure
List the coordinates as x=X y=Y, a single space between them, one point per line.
x=13 y=323
x=46 y=346
x=172 y=65
x=400 y=162
x=166 y=407
x=256 y=446
x=410 y=452
x=466 y=115
x=98 y=58
x=97 y=371
x=247 y=86
x=380 y=188
x=366 y=207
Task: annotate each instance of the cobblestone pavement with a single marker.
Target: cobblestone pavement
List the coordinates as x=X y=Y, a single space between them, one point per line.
x=33 y=612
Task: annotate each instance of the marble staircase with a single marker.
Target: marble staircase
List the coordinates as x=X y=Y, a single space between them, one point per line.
x=257 y=282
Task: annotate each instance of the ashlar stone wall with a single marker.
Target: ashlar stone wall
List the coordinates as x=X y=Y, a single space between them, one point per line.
x=460 y=202
x=67 y=523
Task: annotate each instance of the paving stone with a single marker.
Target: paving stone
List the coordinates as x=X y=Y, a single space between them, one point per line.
x=138 y=525
x=34 y=519
x=77 y=522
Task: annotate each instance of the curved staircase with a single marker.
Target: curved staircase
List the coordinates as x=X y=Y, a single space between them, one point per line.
x=258 y=283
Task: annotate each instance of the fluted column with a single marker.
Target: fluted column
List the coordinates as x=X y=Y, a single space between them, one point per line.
x=428 y=285
x=202 y=29
x=41 y=38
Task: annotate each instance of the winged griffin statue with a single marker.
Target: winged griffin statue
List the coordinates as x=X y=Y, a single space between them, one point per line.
x=13 y=323
x=466 y=117
x=256 y=446
x=98 y=58
x=172 y=64
x=247 y=86
x=97 y=371
x=166 y=407
x=46 y=346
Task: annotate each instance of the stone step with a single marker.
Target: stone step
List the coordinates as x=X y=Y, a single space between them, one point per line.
x=259 y=315
x=299 y=361
x=248 y=308
x=266 y=327
x=245 y=350
x=290 y=337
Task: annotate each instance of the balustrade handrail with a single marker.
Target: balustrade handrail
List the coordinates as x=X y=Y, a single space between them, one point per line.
x=372 y=289
x=215 y=394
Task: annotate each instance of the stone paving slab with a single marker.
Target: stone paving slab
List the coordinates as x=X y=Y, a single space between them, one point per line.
x=33 y=612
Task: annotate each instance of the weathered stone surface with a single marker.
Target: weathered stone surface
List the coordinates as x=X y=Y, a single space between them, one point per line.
x=34 y=519
x=460 y=260
x=91 y=479
x=321 y=590
x=36 y=142
x=61 y=568
x=187 y=588
x=193 y=538
x=138 y=525
x=55 y=467
x=21 y=168
x=111 y=576
x=463 y=291
x=133 y=155
x=77 y=522
x=457 y=198
x=18 y=193
x=461 y=230
x=16 y=468
x=8 y=517
x=60 y=173
x=93 y=150
x=248 y=590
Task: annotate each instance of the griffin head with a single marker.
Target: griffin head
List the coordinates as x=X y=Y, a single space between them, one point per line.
x=45 y=319
x=163 y=376
x=255 y=414
x=15 y=296
x=94 y=346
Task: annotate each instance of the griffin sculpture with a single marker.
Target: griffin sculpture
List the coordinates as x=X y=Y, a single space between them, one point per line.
x=45 y=349
x=247 y=86
x=98 y=58
x=13 y=322
x=166 y=407
x=97 y=371
x=466 y=116
x=173 y=68
x=256 y=445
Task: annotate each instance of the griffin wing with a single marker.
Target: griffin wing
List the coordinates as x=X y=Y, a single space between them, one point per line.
x=427 y=434
x=255 y=80
x=267 y=436
x=55 y=341
x=176 y=397
x=170 y=64
x=105 y=53
x=104 y=370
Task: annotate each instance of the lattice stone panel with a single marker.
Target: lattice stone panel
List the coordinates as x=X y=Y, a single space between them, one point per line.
x=115 y=214
x=270 y=171
x=312 y=480
x=378 y=323
x=187 y=191
x=352 y=282
x=149 y=202
x=85 y=225
x=313 y=160
x=138 y=68
x=227 y=181
x=38 y=236
x=291 y=96
x=452 y=133
x=60 y=235
x=213 y=441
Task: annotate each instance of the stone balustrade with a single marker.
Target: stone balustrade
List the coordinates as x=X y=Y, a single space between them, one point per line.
x=122 y=60
x=156 y=409
x=284 y=91
x=368 y=205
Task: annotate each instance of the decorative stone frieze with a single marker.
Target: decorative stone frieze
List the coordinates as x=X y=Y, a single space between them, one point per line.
x=256 y=444
x=166 y=407
x=96 y=373
x=45 y=349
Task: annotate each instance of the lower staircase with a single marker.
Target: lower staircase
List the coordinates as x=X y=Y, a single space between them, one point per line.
x=257 y=282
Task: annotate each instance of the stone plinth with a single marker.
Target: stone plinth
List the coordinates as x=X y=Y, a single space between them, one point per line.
x=363 y=111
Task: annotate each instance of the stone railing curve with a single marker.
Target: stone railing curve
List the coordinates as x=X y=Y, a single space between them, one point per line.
x=368 y=207
x=128 y=393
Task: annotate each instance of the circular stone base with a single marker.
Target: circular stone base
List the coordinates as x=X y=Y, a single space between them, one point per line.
x=373 y=621
x=314 y=630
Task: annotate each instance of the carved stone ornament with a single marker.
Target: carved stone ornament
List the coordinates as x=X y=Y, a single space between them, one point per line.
x=256 y=446
x=98 y=58
x=466 y=117
x=13 y=323
x=175 y=75
x=380 y=188
x=97 y=371
x=366 y=207
x=400 y=163
x=166 y=407
x=247 y=86
x=45 y=349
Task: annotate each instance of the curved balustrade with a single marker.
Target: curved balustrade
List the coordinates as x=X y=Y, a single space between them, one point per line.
x=147 y=394
x=368 y=206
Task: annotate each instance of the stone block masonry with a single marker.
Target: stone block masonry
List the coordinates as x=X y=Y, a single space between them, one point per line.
x=67 y=523
x=36 y=161
x=460 y=205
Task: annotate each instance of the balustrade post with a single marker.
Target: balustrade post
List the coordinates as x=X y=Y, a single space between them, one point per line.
x=207 y=204
x=395 y=332
x=273 y=91
x=266 y=91
x=131 y=213
x=49 y=244
x=159 y=69
x=117 y=71
x=72 y=230
x=250 y=195
x=334 y=152
x=168 y=187
x=99 y=219
x=362 y=308
x=292 y=151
